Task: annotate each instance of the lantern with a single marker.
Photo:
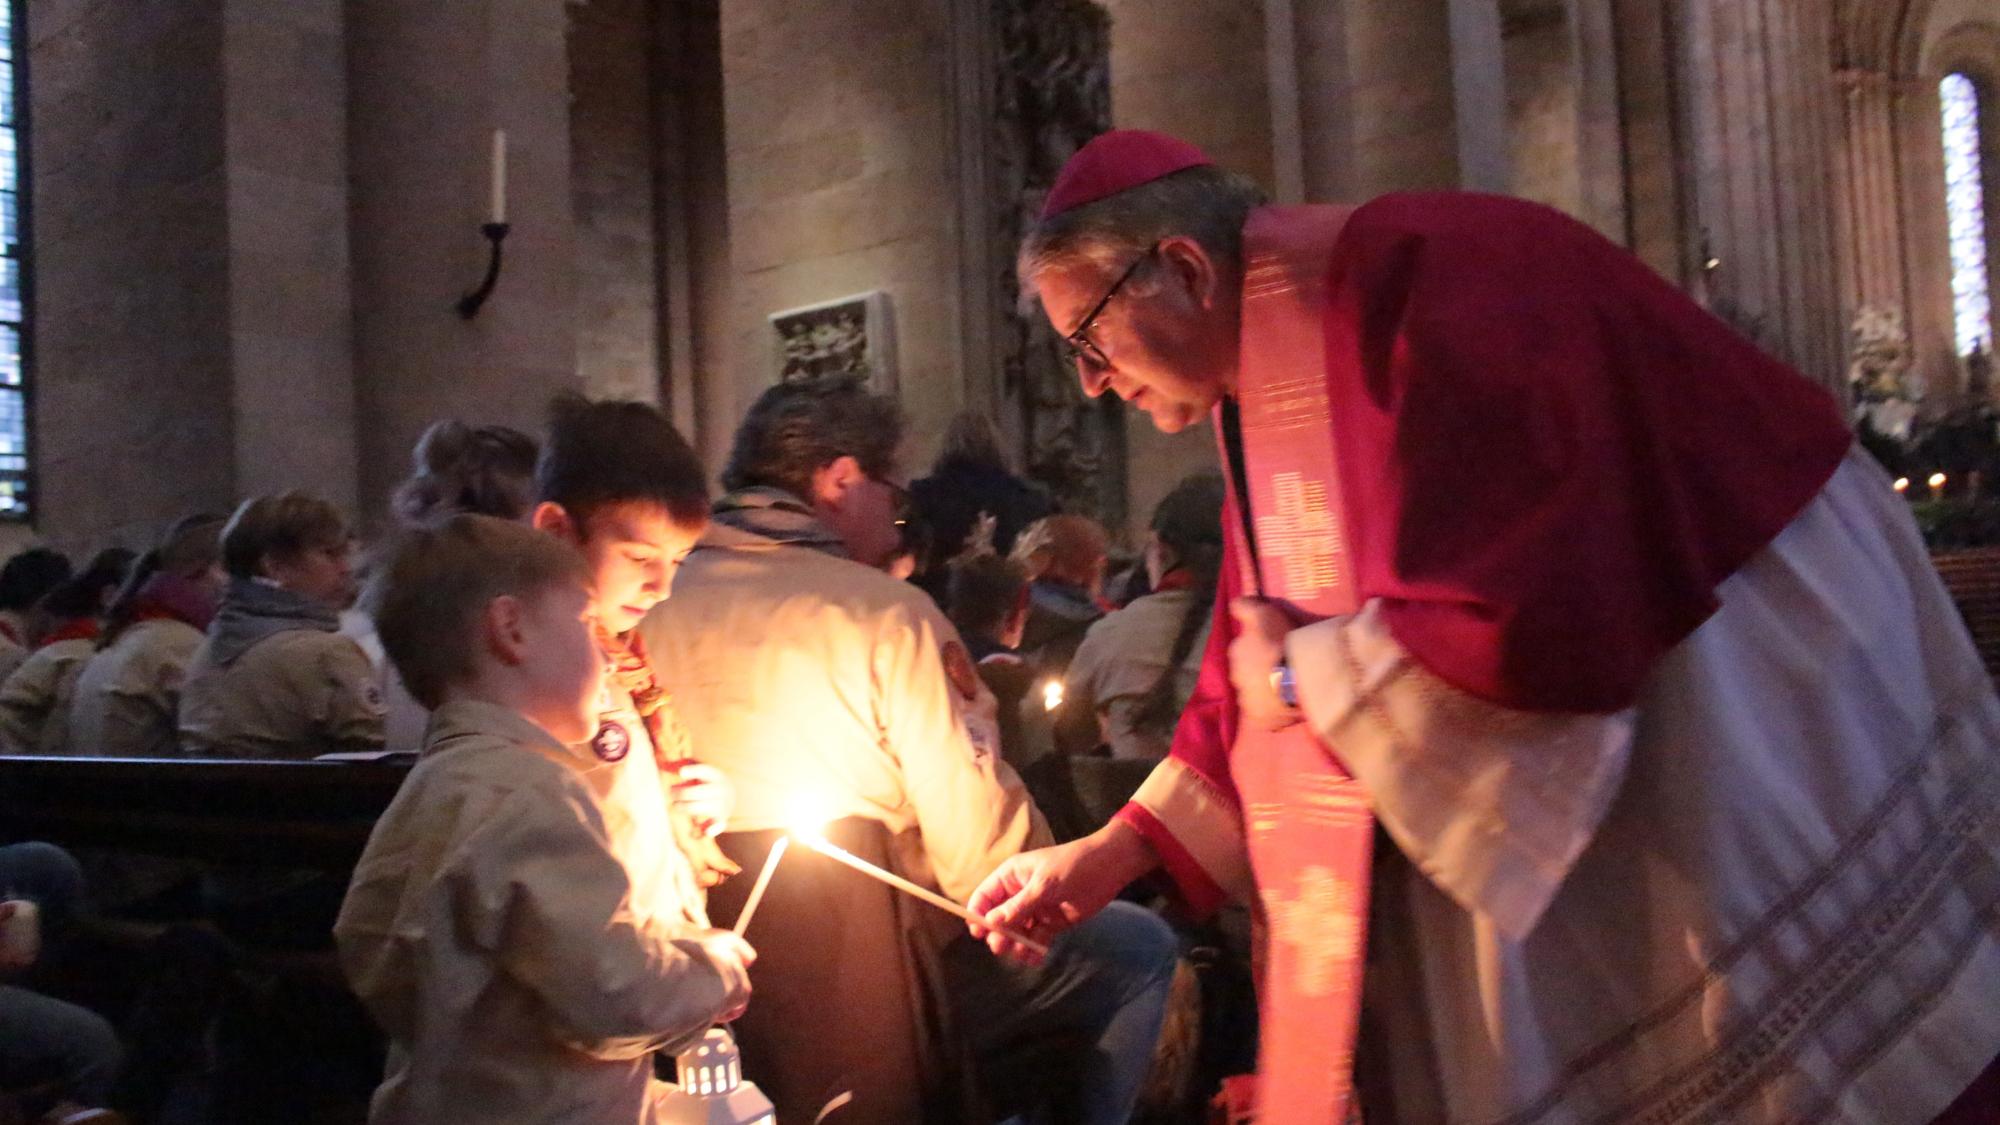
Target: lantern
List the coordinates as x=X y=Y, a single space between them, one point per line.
x=711 y=1089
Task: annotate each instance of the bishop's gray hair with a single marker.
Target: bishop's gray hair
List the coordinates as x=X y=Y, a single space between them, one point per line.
x=1205 y=203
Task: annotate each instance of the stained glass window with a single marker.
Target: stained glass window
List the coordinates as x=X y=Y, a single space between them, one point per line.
x=1965 y=202
x=13 y=310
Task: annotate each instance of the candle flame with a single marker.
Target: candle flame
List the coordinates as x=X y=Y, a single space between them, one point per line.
x=808 y=820
x=1902 y=484
x=1052 y=695
x=1937 y=480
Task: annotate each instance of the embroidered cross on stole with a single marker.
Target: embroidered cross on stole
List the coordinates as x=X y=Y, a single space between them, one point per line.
x=1307 y=820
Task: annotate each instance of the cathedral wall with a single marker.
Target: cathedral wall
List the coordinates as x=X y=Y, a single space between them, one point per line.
x=1198 y=71
x=840 y=171
x=291 y=325
x=612 y=140
x=428 y=84
x=129 y=193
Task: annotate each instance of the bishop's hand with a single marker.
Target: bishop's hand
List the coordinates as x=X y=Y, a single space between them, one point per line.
x=1254 y=654
x=1040 y=894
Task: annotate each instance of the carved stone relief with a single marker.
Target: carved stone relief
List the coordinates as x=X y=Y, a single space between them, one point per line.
x=851 y=336
x=1053 y=93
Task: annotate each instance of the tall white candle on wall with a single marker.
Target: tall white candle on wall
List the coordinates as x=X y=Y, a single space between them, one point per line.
x=499 y=209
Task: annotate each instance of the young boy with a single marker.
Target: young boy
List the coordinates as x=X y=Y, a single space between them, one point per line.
x=618 y=482
x=494 y=926
x=275 y=677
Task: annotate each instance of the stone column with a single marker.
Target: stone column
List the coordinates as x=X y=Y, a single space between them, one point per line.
x=1479 y=94
x=291 y=332
x=133 y=404
x=1221 y=74
x=1759 y=78
x=1650 y=103
x=691 y=207
x=428 y=84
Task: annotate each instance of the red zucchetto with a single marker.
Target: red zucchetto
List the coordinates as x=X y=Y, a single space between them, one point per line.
x=1115 y=161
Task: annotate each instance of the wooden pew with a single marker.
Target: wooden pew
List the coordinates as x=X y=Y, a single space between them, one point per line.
x=1973 y=579
x=301 y=814
x=291 y=1043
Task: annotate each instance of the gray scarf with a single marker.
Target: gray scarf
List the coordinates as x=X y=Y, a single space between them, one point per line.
x=779 y=516
x=253 y=610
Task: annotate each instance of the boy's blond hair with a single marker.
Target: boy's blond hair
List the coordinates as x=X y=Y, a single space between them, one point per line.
x=431 y=584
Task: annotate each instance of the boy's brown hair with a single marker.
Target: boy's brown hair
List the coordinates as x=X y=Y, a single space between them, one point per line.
x=603 y=453
x=431 y=584
x=283 y=526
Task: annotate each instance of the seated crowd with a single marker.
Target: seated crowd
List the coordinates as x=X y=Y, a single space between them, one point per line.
x=540 y=908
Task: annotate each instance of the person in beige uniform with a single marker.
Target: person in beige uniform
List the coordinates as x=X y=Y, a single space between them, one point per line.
x=455 y=468
x=128 y=694
x=24 y=581
x=500 y=925
x=35 y=698
x=816 y=681
x=1137 y=665
x=619 y=483
x=275 y=678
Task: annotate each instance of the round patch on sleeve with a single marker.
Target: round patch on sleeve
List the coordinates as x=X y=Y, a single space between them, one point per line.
x=611 y=743
x=958 y=668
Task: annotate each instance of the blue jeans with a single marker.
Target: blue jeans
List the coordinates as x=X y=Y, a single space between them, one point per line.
x=1104 y=985
x=45 y=1041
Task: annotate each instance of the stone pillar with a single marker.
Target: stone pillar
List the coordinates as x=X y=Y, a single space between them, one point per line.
x=133 y=404
x=1479 y=94
x=612 y=138
x=428 y=84
x=691 y=208
x=1759 y=79
x=842 y=180
x=1204 y=71
x=1650 y=103
x=1926 y=259
x=291 y=327
x=1197 y=69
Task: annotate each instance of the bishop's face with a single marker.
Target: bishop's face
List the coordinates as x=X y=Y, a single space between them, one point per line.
x=1165 y=340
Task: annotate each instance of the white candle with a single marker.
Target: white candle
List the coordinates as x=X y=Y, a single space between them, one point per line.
x=499 y=208
x=832 y=851
x=763 y=880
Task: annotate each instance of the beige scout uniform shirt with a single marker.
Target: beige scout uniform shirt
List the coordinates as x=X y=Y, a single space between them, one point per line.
x=35 y=699
x=815 y=680
x=294 y=694
x=637 y=810
x=501 y=930
x=12 y=656
x=127 y=696
x=1120 y=658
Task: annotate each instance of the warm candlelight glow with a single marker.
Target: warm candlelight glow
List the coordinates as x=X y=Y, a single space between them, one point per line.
x=808 y=820
x=1937 y=481
x=809 y=835
x=1902 y=484
x=1052 y=695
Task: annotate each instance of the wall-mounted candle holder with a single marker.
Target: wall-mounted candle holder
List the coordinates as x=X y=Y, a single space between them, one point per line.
x=468 y=305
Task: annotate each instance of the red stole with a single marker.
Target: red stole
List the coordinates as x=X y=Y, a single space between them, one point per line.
x=1306 y=819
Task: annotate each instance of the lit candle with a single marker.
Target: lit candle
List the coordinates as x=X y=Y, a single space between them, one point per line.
x=1937 y=485
x=810 y=837
x=1902 y=484
x=499 y=209
x=763 y=880
x=1052 y=695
